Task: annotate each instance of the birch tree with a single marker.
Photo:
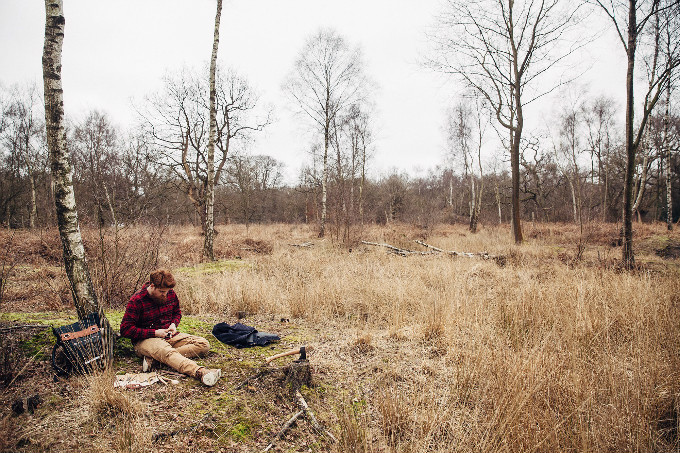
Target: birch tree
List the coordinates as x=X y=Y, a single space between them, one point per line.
x=327 y=78
x=84 y=297
x=177 y=120
x=210 y=183
x=501 y=48
x=667 y=157
x=632 y=20
x=463 y=146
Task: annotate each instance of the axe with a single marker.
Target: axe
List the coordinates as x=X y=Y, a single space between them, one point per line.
x=302 y=350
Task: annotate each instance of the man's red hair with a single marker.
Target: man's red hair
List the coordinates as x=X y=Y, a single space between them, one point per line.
x=162 y=279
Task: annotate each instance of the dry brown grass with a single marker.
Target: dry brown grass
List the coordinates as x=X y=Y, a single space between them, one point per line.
x=553 y=352
x=558 y=350
x=117 y=417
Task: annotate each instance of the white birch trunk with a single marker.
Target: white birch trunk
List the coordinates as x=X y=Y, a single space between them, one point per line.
x=34 y=204
x=363 y=180
x=84 y=297
x=324 y=182
x=669 y=186
x=641 y=188
x=210 y=189
x=498 y=203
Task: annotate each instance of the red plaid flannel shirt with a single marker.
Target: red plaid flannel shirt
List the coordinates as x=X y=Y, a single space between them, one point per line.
x=143 y=315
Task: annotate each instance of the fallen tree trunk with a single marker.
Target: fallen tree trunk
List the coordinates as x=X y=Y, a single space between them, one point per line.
x=482 y=255
x=397 y=250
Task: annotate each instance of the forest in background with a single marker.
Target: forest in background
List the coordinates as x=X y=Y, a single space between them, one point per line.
x=123 y=176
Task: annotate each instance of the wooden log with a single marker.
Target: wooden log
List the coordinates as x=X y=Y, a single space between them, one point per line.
x=482 y=255
x=393 y=249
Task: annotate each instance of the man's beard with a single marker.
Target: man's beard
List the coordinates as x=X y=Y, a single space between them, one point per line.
x=159 y=299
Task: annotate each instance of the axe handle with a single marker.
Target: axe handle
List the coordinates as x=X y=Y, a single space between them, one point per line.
x=282 y=354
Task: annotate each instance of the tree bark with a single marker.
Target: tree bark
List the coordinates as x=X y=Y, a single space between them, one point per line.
x=324 y=181
x=498 y=203
x=210 y=189
x=514 y=164
x=627 y=254
x=84 y=296
x=669 y=185
x=641 y=188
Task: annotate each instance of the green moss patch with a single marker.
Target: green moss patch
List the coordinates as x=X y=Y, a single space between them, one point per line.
x=213 y=267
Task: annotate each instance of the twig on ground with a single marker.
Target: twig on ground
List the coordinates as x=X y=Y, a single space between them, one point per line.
x=283 y=430
x=24 y=327
x=256 y=376
x=24 y=368
x=303 y=404
x=173 y=373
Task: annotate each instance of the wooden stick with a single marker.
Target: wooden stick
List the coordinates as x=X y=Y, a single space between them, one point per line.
x=256 y=376
x=397 y=250
x=25 y=326
x=283 y=430
x=482 y=255
x=24 y=368
x=305 y=407
x=291 y=352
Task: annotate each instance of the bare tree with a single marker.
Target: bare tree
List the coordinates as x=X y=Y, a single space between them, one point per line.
x=360 y=136
x=253 y=178
x=632 y=20
x=351 y=139
x=568 y=152
x=210 y=183
x=84 y=297
x=95 y=148
x=23 y=137
x=327 y=78
x=599 y=121
x=500 y=48
x=178 y=119
x=464 y=122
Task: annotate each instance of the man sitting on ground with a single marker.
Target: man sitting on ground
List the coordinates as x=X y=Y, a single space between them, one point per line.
x=150 y=321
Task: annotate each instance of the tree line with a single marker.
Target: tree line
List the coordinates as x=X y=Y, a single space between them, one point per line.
x=572 y=173
x=582 y=167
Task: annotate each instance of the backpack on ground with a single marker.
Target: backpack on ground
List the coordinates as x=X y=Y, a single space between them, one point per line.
x=79 y=348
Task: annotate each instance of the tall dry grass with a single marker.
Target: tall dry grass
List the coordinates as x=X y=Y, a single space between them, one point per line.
x=556 y=351
x=118 y=417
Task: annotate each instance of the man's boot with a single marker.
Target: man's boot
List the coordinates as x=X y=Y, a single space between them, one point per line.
x=208 y=376
x=148 y=363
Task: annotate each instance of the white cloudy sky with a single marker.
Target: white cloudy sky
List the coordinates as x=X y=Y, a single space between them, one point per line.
x=117 y=52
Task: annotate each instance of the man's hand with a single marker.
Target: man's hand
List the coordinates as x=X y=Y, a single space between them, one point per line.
x=162 y=333
x=173 y=328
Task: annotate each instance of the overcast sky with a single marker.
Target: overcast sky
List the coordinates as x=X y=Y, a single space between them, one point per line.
x=115 y=53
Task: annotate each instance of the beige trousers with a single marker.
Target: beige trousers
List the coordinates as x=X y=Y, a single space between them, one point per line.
x=174 y=351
